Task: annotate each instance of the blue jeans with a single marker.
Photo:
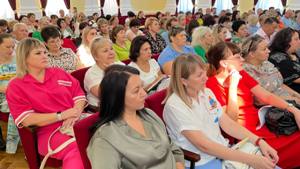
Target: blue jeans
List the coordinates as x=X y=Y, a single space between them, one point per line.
x=215 y=164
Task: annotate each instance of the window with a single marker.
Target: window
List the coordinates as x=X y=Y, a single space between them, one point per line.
x=265 y=4
x=185 y=5
x=5 y=10
x=53 y=7
x=110 y=7
x=223 y=4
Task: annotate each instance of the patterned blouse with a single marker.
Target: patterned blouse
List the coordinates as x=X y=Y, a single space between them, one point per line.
x=268 y=76
x=289 y=69
x=156 y=45
x=7 y=72
x=67 y=60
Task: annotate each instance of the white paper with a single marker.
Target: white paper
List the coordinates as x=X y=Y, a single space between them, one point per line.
x=261 y=116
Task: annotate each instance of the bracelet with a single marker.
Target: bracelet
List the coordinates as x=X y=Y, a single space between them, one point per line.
x=258 y=140
x=58 y=116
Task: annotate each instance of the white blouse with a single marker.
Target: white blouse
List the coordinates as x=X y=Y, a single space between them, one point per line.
x=202 y=116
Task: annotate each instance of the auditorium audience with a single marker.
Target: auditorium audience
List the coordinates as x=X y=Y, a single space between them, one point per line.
x=104 y=56
x=83 y=51
x=234 y=88
x=123 y=117
x=120 y=43
x=202 y=41
x=256 y=53
x=152 y=29
x=133 y=30
x=103 y=28
x=47 y=98
x=177 y=47
x=58 y=56
x=283 y=48
x=140 y=56
x=7 y=72
x=194 y=117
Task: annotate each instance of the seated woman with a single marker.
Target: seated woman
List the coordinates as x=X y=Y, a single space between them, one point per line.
x=256 y=53
x=63 y=58
x=283 y=48
x=240 y=32
x=152 y=28
x=235 y=92
x=104 y=55
x=124 y=125
x=48 y=98
x=174 y=49
x=7 y=72
x=121 y=45
x=194 y=117
x=140 y=54
x=64 y=28
x=83 y=51
x=133 y=30
x=219 y=33
x=202 y=40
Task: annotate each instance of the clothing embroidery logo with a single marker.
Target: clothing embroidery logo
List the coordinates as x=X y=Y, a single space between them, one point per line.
x=64 y=83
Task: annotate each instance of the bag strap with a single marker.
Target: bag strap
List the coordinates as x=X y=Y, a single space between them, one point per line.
x=58 y=149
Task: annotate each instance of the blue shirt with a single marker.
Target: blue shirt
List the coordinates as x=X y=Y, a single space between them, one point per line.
x=296 y=26
x=252 y=29
x=169 y=54
x=165 y=35
x=287 y=22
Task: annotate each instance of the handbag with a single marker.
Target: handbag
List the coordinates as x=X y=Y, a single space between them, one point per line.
x=245 y=146
x=281 y=122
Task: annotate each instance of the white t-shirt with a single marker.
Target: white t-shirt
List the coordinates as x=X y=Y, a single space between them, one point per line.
x=131 y=35
x=203 y=116
x=148 y=77
x=85 y=56
x=93 y=77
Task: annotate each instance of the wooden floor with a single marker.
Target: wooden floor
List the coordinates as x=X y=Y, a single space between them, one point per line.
x=13 y=161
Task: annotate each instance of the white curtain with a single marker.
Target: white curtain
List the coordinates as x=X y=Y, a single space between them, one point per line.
x=265 y=4
x=5 y=10
x=110 y=7
x=185 y=5
x=53 y=7
x=223 y=4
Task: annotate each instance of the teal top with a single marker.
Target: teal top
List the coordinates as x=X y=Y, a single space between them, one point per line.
x=201 y=52
x=7 y=72
x=37 y=35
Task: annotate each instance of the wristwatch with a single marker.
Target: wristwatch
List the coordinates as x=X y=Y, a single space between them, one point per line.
x=289 y=105
x=58 y=116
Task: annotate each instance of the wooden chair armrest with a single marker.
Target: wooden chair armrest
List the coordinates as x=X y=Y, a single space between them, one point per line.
x=190 y=156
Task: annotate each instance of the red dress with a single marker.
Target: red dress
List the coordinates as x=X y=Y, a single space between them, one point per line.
x=288 y=147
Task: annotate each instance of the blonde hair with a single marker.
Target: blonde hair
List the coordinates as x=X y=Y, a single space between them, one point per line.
x=149 y=21
x=252 y=19
x=199 y=33
x=85 y=33
x=183 y=67
x=23 y=50
x=98 y=43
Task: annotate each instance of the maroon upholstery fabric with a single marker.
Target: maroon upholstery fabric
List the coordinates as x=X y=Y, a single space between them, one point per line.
x=43 y=4
x=213 y=2
x=29 y=142
x=155 y=56
x=154 y=102
x=102 y=5
x=79 y=75
x=4 y=116
x=83 y=136
x=284 y=2
x=193 y=2
x=68 y=4
x=13 y=6
x=235 y=2
x=176 y=12
x=119 y=9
